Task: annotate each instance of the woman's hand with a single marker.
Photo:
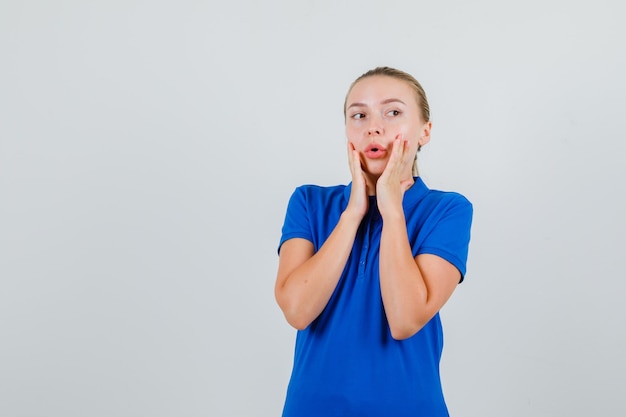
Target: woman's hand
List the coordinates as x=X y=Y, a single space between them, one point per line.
x=307 y=279
x=357 y=206
x=395 y=179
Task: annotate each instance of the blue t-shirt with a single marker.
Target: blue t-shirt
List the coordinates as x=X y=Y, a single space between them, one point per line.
x=346 y=363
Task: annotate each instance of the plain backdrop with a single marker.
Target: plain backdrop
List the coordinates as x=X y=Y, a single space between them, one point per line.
x=148 y=150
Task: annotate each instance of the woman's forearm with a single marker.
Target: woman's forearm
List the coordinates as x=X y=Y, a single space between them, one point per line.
x=403 y=289
x=305 y=286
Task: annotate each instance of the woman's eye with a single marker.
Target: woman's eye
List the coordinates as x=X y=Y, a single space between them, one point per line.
x=393 y=113
x=358 y=116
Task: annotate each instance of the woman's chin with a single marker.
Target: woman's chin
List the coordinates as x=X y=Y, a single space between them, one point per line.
x=375 y=168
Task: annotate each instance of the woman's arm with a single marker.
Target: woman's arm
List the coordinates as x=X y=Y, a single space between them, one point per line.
x=413 y=289
x=306 y=280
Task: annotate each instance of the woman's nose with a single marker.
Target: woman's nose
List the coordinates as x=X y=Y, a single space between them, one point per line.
x=375 y=128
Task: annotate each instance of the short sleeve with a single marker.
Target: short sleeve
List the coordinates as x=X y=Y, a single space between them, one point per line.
x=449 y=237
x=297 y=222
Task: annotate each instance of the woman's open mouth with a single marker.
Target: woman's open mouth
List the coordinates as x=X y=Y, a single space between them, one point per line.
x=375 y=151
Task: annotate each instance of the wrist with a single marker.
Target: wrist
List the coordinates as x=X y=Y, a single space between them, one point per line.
x=351 y=217
x=393 y=215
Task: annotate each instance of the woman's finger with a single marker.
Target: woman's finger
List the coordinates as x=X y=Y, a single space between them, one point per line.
x=397 y=157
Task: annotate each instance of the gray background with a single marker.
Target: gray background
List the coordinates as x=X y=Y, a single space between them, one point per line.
x=148 y=150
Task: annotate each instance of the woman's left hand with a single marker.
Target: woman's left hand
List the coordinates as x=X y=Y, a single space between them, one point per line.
x=395 y=179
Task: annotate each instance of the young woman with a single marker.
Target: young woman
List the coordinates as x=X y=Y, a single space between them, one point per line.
x=365 y=268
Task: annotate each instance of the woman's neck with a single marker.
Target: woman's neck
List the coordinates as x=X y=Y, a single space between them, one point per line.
x=370 y=184
x=372 y=180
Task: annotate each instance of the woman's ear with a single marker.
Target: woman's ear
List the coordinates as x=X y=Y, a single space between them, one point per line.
x=425 y=134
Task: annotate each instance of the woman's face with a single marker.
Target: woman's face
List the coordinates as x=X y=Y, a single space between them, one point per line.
x=380 y=109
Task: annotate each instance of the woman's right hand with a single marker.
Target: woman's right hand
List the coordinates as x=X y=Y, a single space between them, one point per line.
x=307 y=278
x=358 y=204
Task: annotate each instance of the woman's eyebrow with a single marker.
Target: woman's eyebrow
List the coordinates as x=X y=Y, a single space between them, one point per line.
x=392 y=100
x=386 y=101
x=357 y=105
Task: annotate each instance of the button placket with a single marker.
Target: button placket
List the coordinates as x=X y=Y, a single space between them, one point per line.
x=367 y=232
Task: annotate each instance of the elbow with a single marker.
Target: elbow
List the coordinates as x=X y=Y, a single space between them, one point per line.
x=294 y=316
x=402 y=331
x=297 y=322
x=402 y=334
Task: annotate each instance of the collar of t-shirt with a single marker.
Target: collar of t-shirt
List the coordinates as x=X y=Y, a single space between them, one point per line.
x=411 y=196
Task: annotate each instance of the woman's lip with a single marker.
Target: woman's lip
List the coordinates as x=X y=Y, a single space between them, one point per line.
x=375 y=153
x=373 y=146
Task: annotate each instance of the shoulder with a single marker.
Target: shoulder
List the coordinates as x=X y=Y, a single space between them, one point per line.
x=448 y=199
x=437 y=200
x=313 y=211
x=314 y=189
x=450 y=206
x=319 y=195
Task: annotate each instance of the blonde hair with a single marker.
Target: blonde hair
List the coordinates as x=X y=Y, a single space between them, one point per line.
x=420 y=94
